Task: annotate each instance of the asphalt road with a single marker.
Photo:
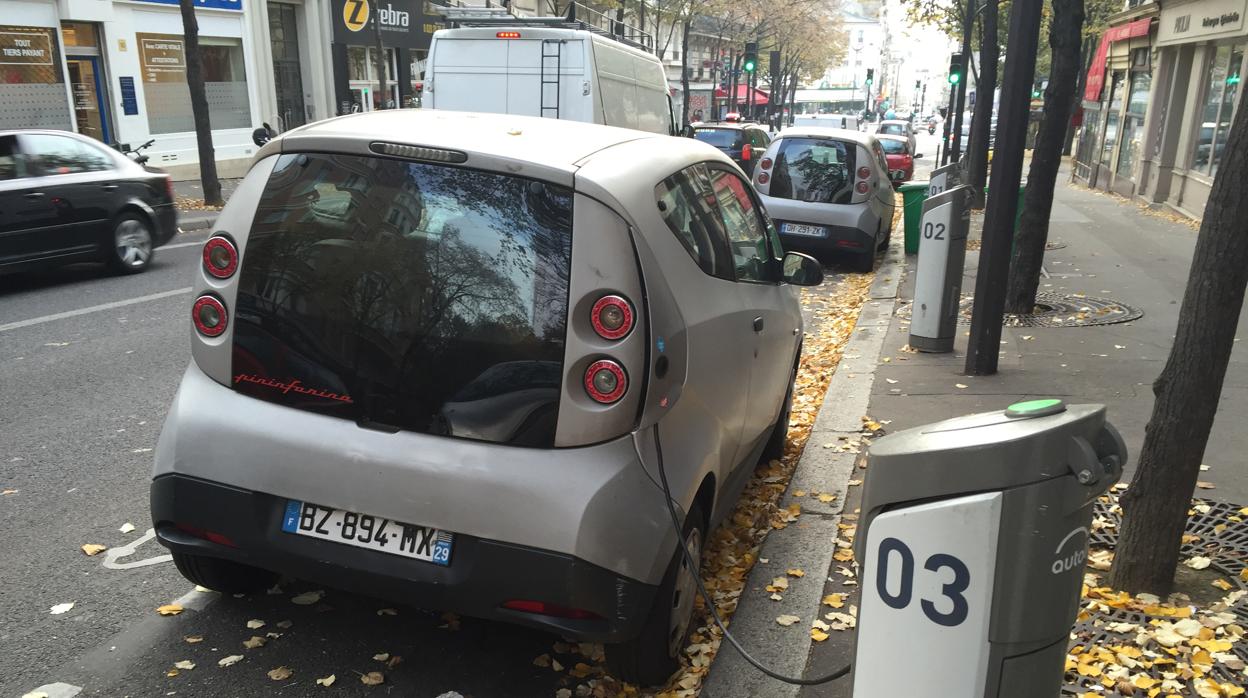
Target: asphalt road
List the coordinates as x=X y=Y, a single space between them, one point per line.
x=89 y=363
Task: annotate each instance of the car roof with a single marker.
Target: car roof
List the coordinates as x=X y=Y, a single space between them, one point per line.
x=727 y=125
x=824 y=132
x=552 y=143
x=892 y=137
x=894 y=121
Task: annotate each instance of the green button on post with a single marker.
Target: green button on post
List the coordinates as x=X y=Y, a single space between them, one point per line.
x=1036 y=408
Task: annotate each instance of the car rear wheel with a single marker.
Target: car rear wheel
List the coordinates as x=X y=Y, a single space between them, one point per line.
x=225 y=576
x=864 y=261
x=132 y=244
x=653 y=656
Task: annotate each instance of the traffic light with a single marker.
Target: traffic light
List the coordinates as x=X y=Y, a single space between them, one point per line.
x=955 y=69
x=870 y=75
x=918 y=84
x=750 y=62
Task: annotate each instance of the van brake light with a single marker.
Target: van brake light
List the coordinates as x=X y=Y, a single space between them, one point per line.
x=508 y=35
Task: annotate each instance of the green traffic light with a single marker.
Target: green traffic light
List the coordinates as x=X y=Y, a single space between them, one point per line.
x=869 y=81
x=1233 y=80
x=954 y=78
x=749 y=66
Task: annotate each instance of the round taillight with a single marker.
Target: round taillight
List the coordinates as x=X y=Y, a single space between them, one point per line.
x=220 y=257
x=864 y=172
x=605 y=381
x=764 y=178
x=209 y=316
x=612 y=317
x=862 y=188
x=765 y=164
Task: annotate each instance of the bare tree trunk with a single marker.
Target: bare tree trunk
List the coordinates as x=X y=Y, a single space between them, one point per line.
x=1188 y=389
x=199 y=106
x=985 y=89
x=684 y=70
x=382 y=88
x=1046 y=158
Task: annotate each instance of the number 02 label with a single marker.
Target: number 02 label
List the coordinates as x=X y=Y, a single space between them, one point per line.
x=926 y=596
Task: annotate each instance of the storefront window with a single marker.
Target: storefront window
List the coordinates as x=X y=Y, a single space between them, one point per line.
x=163 y=62
x=32 y=85
x=1111 y=119
x=1133 y=125
x=1088 y=137
x=1221 y=94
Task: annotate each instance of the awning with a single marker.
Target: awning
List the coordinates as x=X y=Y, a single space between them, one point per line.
x=1096 y=73
x=743 y=91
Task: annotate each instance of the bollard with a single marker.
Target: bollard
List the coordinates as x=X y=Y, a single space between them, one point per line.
x=972 y=543
x=938 y=280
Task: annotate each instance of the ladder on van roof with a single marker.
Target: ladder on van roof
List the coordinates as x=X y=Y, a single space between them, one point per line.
x=578 y=17
x=547 y=78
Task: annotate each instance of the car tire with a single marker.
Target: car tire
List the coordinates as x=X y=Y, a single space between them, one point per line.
x=864 y=261
x=132 y=244
x=653 y=656
x=774 y=450
x=225 y=576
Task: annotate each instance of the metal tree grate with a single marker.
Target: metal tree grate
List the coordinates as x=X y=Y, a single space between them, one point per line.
x=1213 y=532
x=1057 y=310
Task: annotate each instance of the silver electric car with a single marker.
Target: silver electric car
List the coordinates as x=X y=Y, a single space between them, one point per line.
x=448 y=359
x=829 y=191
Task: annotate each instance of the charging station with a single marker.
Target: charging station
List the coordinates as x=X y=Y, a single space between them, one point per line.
x=944 y=178
x=973 y=541
x=938 y=279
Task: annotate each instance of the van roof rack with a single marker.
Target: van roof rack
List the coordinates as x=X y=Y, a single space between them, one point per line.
x=578 y=16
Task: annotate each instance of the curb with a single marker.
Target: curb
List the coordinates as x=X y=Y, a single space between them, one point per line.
x=809 y=543
x=188 y=222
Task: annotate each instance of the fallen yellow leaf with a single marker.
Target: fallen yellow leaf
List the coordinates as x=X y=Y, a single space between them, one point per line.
x=818 y=635
x=787 y=620
x=169 y=609
x=373 y=678
x=327 y=681
x=94 y=549
x=794 y=572
x=834 y=600
x=281 y=673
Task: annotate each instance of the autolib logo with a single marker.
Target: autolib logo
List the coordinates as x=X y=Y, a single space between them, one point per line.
x=1074 y=559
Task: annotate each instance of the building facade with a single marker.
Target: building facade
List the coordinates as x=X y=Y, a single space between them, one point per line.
x=1161 y=93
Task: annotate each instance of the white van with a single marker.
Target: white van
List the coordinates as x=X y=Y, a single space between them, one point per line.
x=534 y=67
x=843 y=121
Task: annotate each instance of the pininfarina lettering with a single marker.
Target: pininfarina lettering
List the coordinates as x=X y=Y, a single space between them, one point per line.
x=1220 y=20
x=290 y=387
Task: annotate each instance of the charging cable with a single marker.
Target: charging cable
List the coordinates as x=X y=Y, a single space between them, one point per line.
x=710 y=603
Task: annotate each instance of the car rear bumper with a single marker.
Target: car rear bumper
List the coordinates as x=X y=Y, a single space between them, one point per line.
x=166 y=223
x=850 y=228
x=482 y=574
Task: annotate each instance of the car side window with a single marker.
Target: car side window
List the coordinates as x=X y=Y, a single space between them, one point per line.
x=53 y=155
x=686 y=206
x=747 y=236
x=94 y=158
x=10 y=166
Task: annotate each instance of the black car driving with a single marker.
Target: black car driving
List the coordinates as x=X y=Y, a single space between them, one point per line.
x=66 y=198
x=743 y=142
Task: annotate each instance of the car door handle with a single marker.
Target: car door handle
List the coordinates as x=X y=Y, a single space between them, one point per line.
x=108 y=187
x=758 y=324
x=35 y=195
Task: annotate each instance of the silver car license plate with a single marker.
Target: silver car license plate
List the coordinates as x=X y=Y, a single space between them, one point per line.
x=371 y=532
x=810 y=231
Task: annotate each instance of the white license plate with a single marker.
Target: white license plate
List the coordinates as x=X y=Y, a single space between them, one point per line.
x=371 y=532
x=812 y=231
x=899 y=174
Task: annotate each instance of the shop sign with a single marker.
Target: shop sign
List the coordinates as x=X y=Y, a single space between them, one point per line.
x=129 y=101
x=403 y=23
x=32 y=47
x=236 y=5
x=163 y=59
x=1201 y=21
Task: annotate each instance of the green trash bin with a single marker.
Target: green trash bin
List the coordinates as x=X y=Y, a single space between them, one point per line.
x=913 y=194
x=1018 y=213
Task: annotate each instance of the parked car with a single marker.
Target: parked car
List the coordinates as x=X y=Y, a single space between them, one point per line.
x=897 y=127
x=66 y=198
x=828 y=189
x=558 y=72
x=741 y=141
x=444 y=358
x=846 y=121
x=899 y=157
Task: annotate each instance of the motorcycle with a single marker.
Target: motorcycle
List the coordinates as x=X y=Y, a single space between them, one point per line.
x=137 y=153
x=931 y=128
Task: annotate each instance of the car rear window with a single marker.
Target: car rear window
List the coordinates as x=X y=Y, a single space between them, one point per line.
x=816 y=170
x=893 y=129
x=721 y=137
x=406 y=295
x=893 y=147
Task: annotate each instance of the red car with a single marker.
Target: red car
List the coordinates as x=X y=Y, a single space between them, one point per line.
x=900 y=159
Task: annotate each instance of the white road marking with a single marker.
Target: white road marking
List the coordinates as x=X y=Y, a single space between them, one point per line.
x=92 y=309
x=112 y=554
x=200 y=243
x=58 y=690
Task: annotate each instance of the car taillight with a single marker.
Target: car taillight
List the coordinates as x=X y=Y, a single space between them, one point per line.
x=549 y=609
x=210 y=536
x=605 y=381
x=209 y=316
x=169 y=187
x=864 y=172
x=764 y=178
x=220 y=257
x=765 y=163
x=612 y=317
x=862 y=187
x=747 y=152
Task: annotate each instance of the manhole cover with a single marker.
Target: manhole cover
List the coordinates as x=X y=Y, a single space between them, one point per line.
x=1216 y=530
x=1057 y=310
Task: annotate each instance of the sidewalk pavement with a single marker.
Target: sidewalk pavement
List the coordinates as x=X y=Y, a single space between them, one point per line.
x=1113 y=250
x=189 y=196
